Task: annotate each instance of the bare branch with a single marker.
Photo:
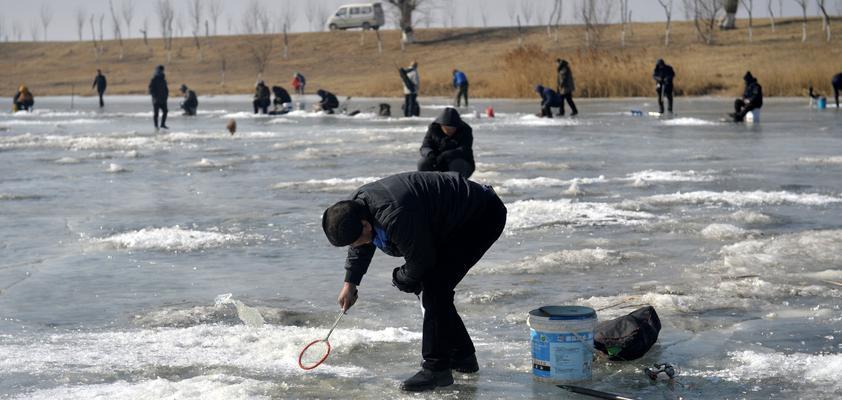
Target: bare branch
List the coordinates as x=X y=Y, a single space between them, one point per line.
x=127 y=11
x=46 y=15
x=81 y=16
x=215 y=10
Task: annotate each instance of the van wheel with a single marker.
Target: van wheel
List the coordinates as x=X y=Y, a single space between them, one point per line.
x=333 y=27
x=366 y=26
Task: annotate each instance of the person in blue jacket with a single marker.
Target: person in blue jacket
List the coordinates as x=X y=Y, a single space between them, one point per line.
x=460 y=82
x=549 y=99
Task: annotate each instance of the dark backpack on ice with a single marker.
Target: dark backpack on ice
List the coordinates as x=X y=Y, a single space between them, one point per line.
x=630 y=336
x=385 y=110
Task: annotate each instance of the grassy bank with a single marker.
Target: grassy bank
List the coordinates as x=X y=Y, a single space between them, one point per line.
x=499 y=62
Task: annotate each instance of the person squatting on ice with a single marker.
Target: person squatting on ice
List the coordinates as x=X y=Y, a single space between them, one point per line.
x=191 y=102
x=160 y=93
x=752 y=98
x=448 y=145
x=441 y=224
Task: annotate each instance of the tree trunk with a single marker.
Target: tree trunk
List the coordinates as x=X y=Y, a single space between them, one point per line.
x=730 y=20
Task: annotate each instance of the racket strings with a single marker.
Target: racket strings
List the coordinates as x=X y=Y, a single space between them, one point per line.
x=314 y=354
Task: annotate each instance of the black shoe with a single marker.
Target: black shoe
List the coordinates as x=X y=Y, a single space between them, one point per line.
x=574 y=113
x=427 y=380
x=165 y=127
x=467 y=365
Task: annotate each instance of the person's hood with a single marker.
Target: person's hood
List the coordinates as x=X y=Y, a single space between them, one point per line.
x=183 y=88
x=660 y=62
x=539 y=89
x=449 y=117
x=321 y=93
x=749 y=78
x=159 y=70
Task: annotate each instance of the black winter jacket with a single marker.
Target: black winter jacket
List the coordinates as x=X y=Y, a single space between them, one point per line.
x=664 y=74
x=329 y=100
x=438 y=145
x=100 y=83
x=418 y=211
x=753 y=93
x=158 y=88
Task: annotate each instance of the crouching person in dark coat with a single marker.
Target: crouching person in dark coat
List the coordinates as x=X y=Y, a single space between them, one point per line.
x=191 y=102
x=448 y=145
x=442 y=224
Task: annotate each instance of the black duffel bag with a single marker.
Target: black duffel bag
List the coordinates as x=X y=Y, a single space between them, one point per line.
x=630 y=336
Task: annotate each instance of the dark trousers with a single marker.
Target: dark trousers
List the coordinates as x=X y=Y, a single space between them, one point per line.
x=461 y=93
x=410 y=105
x=569 y=99
x=162 y=108
x=666 y=91
x=741 y=109
x=547 y=110
x=261 y=105
x=444 y=335
x=24 y=105
x=101 y=102
x=461 y=166
x=836 y=94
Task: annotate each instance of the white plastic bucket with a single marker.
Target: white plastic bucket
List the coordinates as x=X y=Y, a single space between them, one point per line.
x=753 y=116
x=562 y=343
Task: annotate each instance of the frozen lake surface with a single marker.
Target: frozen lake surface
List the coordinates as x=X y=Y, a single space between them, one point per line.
x=116 y=241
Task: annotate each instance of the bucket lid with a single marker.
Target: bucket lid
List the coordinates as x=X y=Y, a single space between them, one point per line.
x=564 y=312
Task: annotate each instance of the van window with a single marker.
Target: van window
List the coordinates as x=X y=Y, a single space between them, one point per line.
x=342 y=12
x=355 y=11
x=366 y=10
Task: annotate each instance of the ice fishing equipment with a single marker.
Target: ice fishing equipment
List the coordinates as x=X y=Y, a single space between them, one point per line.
x=562 y=343
x=315 y=353
x=666 y=368
x=489 y=112
x=821 y=103
x=628 y=337
x=594 y=393
x=753 y=116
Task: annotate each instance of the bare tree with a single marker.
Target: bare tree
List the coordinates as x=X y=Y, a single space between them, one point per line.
x=195 y=11
x=825 y=18
x=81 y=16
x=771 y=14
x=483 y=16
x=118 y=34
x=554 y=19
x=667 y=6
x=322 y=15
x=144 y=30
x=17 y=30
x=595 y=16
x=511 y=11
x=166 y=15
x=46 y=15
x=527 y=9
x=127 y=11
x=34 y=30
x=749 y=6
x=803 y=5
x=251 y=15
x=704 y=14
x=625 y=19
x=97 y=50
x=3 y=35
x=405 y=10
x=729 y=21
x=286 y=17
x=215 y=10
x=310 y=13
x=179 y=26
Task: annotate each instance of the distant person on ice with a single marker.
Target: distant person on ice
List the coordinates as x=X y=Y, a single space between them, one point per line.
x=411 y=86
x=460 y=82
x=448 y=145
x=565 y=86
x=752 y=98
x=549 y=100
x=262 y=98
x=663 y=76
x=837 y=87
x=160 y=93
x=442 y=224
x=100 y=83
x=328 y=101
x=282 y=103
x=191 y=102
x=298 y=83
x=23 y=100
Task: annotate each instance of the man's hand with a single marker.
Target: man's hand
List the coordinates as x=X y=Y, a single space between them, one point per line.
x=403 y=285
x=347 y=296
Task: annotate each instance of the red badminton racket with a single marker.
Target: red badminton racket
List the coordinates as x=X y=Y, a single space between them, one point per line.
x=315 y=353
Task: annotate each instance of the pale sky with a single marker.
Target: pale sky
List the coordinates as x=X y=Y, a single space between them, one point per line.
x=21 y=19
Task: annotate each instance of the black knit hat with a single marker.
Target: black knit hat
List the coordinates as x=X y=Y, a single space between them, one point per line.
x=449 y=117
x=342 y=222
